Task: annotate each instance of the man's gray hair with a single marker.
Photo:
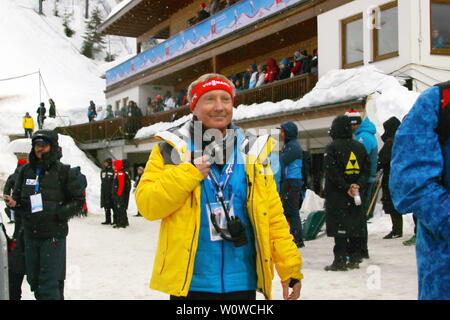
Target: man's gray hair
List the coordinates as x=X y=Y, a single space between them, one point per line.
x=206 y=77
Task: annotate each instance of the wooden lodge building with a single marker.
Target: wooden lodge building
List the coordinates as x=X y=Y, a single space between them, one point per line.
x=251 y=32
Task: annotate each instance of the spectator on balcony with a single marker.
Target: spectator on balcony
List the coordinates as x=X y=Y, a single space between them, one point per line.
x=179 y=98
x=229 y=3
x=169 y=101
x=315 y=63
x=297 y=69
x=261 y=76
x=253 y=71
x=214 y=6
x=306 y=62
x=202 y=14
x=272 y=71
x=245 y=80
x=92 y=112
x=159 y=104
x=109 y=112
x=285 y=70
x=149 y=109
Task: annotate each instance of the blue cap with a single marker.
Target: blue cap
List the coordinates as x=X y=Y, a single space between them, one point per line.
x=43 y=140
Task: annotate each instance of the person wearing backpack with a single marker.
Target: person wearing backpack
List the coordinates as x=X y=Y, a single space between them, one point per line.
x=83 y=184
x=46 y=195
x=420 y=183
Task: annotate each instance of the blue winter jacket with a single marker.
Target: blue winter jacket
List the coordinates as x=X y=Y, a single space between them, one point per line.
x=420 y=183
x=365 y=134
x=219 y=266
x=291 y=157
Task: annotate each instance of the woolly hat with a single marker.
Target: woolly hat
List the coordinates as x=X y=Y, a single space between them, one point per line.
x=21 y=161
x=202 y=4
x=355 y=116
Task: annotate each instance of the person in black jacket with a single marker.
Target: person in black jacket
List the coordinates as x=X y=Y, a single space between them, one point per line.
x=306 y=61
x=83 y=184
x=107 y=178
x=347 y=168
x=41 y=115
x=52 y=108
x=46 y=195
x=127 y=187
x=384 y=163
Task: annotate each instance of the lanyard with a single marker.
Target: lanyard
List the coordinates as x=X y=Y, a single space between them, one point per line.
x=36 y=186
x=224 y=179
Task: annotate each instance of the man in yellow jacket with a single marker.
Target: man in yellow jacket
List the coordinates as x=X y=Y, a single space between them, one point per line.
x=28 y=125
x=223 y=229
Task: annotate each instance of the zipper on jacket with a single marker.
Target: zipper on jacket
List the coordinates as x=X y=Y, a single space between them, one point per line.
x=190 y=256
x=252 y=190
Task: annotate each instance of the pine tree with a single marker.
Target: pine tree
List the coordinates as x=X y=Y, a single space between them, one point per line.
x=94 y=41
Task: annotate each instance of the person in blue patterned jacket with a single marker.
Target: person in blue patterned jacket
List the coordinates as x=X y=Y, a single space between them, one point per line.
x=420 y=183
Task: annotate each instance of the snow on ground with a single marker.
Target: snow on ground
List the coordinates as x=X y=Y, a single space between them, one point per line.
x=115 y=264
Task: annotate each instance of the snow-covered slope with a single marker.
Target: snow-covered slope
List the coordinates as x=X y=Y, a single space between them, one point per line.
x=37 y=43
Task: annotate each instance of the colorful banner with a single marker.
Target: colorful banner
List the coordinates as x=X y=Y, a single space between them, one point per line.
x=224 y=22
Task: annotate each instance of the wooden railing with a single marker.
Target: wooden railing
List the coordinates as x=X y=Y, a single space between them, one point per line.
x=112 y=129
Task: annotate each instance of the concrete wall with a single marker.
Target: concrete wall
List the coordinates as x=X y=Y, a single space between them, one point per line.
x=414 y=41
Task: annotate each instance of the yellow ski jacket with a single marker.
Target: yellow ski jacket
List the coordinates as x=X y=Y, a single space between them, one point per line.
x=28 y=123
x=171 y=193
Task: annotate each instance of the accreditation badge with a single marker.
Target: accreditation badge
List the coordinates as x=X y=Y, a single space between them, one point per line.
x=36 y=203
x=217 y=209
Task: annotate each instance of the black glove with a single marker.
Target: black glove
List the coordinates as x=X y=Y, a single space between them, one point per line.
x=293 y=282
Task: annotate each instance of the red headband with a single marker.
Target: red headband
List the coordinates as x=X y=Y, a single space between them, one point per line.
x=209 y=85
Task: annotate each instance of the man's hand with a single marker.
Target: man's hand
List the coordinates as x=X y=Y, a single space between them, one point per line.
x=295 y=294
x=201 y=163
x=354 y=189
x=9 y=201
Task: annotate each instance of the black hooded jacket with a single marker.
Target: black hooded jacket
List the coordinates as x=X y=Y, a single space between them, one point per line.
x=62 y=196
x=384 y=161
x=346 y=162
x=107 y=177
x=291 y=160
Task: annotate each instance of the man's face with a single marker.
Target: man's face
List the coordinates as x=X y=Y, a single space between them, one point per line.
x=40 y=148
x=105 y=164
x=215 y=109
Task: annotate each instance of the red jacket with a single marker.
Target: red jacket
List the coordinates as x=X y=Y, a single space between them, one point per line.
x=120 y=176
x=272 y=71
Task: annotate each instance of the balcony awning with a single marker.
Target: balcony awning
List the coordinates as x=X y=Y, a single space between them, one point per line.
x=132 y=18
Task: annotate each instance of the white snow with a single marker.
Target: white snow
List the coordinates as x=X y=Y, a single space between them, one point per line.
x=115 y=264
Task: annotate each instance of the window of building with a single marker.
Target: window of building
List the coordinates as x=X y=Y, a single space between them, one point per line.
x=385 y=33
x=125 y=102
x=440 y=26
x=352 y=41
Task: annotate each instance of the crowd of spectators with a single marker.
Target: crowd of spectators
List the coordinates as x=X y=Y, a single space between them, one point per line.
x=214 y=7
x=256 y=76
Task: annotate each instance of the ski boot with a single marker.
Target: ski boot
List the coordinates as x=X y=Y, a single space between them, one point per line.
x=337 y=265
x=392 y=235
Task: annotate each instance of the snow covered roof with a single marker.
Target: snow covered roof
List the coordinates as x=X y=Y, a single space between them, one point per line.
x=388 y=98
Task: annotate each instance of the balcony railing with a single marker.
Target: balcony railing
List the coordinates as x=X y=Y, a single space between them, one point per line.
x=120 y=128
x=240 y=15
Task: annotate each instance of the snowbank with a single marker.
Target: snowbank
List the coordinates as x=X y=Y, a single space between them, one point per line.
x=389 y=98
